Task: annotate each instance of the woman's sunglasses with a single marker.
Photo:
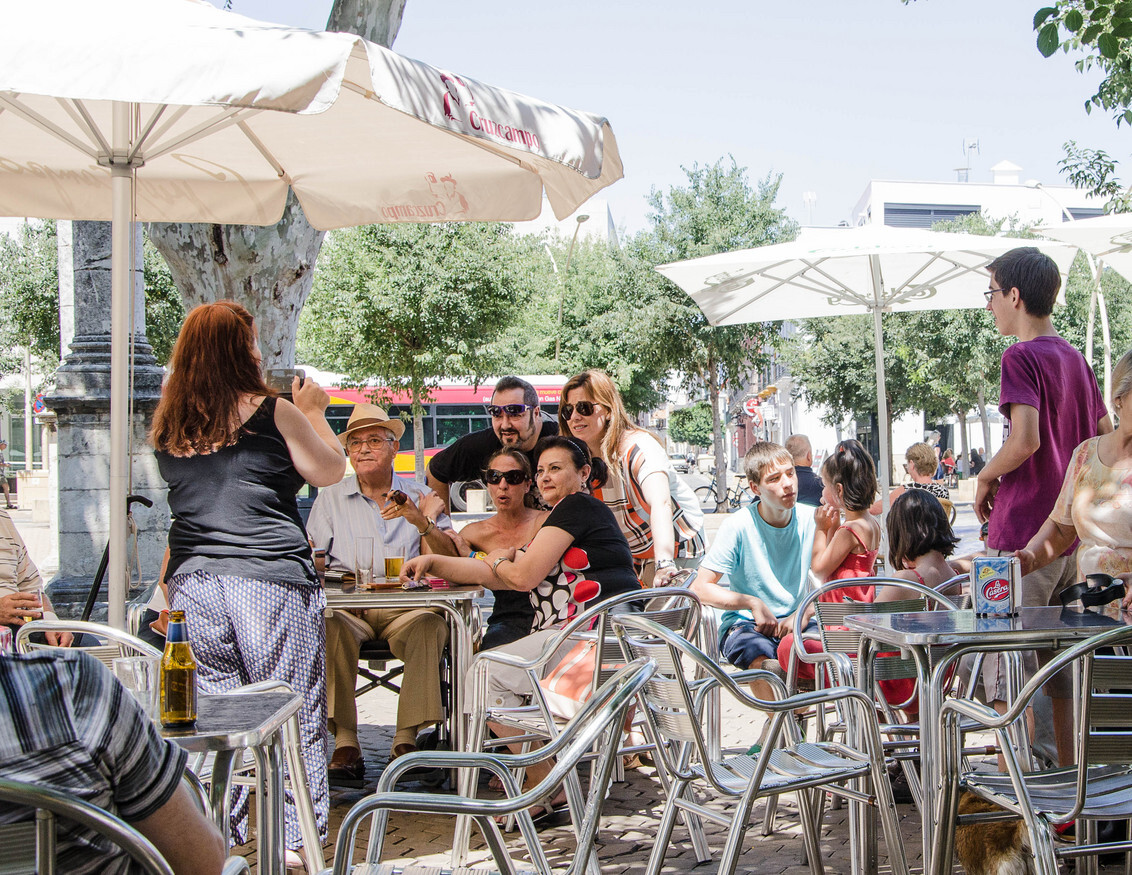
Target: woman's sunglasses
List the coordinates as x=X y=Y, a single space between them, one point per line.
x=513 y=477
x=586 y=408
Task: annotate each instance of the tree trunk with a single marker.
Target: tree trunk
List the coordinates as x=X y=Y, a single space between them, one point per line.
x=986 y=425
x=267 y=269
x=964 y=460
x=721 y=479
x=418 y=432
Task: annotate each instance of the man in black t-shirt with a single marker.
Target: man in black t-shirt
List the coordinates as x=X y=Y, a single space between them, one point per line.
x=516 y=421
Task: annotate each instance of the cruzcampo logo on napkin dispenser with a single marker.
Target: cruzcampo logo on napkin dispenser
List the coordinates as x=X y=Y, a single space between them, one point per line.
x=994 y=586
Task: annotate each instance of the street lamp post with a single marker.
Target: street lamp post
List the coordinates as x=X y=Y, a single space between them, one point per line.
x=564 y=280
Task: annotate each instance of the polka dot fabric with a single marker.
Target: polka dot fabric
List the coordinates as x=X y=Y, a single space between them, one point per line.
x=244 y=631
x=564 y=590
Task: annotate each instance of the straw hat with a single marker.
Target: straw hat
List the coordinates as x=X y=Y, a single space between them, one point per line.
x=369 y=415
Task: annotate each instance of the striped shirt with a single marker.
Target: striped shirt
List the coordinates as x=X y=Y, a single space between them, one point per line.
x=623 y=495
x=17 y=572
x=66 y=724
x=342 y=513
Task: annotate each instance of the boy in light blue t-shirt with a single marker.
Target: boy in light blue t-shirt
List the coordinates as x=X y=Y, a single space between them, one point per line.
x=765 y=551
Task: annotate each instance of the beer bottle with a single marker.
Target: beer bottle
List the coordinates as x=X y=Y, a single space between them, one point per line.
x=178 y=675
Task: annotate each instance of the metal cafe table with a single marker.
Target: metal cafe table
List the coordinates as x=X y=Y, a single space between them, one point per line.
x=456 y=603
x=228 y=723
x=924 y=634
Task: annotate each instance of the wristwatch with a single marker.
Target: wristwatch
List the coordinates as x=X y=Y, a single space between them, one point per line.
x=428 y=528
x=495 y=565
x=665 y=563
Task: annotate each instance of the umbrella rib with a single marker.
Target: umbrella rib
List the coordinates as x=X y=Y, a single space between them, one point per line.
x=39 y=121
x=78 y=111
x=263 y=150
x=906 y=292
x=144 y=135
x=798 y=278
x=176 y=116
x=225 y=119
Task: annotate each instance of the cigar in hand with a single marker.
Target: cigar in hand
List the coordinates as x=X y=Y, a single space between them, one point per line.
x=398 y=497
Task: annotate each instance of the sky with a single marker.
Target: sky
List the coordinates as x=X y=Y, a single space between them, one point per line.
x=829 y=93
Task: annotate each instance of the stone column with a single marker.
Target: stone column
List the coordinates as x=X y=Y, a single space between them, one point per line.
x=81 y=402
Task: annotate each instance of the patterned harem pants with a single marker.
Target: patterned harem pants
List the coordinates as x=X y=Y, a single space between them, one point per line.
x=244 y=631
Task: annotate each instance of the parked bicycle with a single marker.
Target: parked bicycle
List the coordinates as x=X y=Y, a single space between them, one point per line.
x=735 y=496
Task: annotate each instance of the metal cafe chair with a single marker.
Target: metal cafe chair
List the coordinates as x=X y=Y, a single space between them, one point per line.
x=597 y=725
x=113 y=643
x=675 y=607
x=30 y=846
x=838 y=657
x=1098 y=787
x=785 y=763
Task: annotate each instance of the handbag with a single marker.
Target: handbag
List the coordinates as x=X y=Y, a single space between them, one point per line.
x=1094 y=591
x=570 y=683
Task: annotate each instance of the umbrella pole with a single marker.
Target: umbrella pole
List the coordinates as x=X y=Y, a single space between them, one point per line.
x=882 y=401
x=121 y=185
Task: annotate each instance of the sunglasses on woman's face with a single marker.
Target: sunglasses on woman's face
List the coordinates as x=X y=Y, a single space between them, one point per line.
x=585 y=408
x=513 y=477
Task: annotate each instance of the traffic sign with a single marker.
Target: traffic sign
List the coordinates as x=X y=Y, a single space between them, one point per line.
x=751 y=406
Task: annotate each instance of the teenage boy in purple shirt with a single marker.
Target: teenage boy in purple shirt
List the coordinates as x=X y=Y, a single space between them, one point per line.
x=1049 y=395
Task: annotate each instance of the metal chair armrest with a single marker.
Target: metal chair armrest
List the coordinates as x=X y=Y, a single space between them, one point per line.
x=235 y=866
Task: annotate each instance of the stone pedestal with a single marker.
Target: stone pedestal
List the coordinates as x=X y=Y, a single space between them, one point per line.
x=81 y=402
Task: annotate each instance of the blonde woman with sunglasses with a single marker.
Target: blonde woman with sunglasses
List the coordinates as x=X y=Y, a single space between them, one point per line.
x=658 y=513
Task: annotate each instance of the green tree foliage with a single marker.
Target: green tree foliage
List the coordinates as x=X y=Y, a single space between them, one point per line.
x=691 y=425
x=408 y=306
x=29 y=296
x=612 y=306
x=717 y=210
x=1101 y=31
x=164 y=309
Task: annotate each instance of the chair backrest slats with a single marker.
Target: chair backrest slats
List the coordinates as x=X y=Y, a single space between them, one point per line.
x=1109 y=735
x=674 y=608
x=1112 y=671
x=1112 y=750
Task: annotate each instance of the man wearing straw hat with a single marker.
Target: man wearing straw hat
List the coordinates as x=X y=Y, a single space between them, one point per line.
x=403 y=518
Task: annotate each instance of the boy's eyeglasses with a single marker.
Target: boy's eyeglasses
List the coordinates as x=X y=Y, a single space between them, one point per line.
x=585 y=408
x=990 y=293
x=496 y=411
x=513 y=477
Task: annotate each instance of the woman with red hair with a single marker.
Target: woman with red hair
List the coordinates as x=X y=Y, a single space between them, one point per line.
x=234 y=456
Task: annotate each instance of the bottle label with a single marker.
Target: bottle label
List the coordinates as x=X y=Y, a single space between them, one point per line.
x=178 y=633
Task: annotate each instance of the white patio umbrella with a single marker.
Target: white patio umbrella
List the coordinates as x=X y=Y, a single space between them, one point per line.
x=1107 y=241
x=173 y=110
x=840 y=271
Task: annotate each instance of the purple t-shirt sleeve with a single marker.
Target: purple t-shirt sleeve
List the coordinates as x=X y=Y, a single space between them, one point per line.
x=1020 y=381
x=1051 y=376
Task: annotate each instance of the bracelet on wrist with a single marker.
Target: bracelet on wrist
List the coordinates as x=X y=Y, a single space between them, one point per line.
x=495 y=565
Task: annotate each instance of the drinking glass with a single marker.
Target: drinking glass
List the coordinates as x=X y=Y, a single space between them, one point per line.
x=363 y=561
x=139 y=675
x=393 y=566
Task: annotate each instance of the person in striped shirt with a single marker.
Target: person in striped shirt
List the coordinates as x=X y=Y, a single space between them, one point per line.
x=66 y=724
